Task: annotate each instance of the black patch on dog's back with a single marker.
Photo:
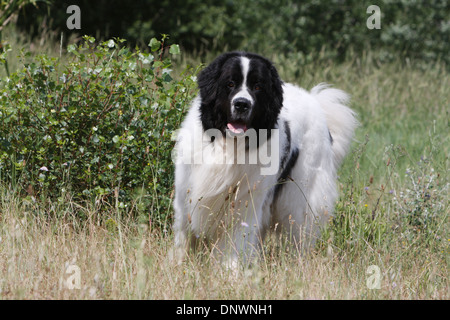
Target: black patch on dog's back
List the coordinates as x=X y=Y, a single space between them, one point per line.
x=286 y=171
x=288 y=160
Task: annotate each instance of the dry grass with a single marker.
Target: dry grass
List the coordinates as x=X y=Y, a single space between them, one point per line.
x=121 y=260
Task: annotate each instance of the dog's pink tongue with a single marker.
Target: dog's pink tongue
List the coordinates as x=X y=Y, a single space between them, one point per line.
x=236 y=127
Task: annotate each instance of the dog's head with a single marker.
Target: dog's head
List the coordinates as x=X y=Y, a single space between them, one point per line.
x=240 y=91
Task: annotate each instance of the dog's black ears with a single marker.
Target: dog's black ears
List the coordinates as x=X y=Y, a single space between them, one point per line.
x=207 y=82
x=277 y=87
x=208 y=77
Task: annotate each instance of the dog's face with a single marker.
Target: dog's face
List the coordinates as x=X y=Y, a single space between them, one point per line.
x=240 y=91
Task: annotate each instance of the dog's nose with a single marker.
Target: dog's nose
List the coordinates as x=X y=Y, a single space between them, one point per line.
x=241 y=104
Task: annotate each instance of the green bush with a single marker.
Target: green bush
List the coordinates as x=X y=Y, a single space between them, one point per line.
x=98 y=127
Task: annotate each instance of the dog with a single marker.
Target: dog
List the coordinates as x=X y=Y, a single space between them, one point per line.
x=255 y=154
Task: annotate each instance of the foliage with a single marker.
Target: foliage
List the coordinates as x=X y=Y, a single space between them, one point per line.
x=424 y=201
x=96 y=128
x=414 y=29
x=8 y=11
x=9 y=8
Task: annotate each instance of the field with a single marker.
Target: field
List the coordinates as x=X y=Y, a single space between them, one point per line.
x=390 y=238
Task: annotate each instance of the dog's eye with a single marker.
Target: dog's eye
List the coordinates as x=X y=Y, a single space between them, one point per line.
x=230 y=84
x=257 y=87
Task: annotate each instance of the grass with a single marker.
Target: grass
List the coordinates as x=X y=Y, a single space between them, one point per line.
x=124 y=260
x=393 y=213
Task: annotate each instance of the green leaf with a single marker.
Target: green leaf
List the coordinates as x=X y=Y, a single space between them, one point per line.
x=154 y=44
x=174 y=49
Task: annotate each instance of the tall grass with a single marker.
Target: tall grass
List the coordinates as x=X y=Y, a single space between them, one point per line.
x=392 y=213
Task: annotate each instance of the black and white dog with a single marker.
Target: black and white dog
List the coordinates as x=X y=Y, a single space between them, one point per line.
x=254 y=153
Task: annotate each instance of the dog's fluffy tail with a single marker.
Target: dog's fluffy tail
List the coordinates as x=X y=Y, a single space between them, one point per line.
x=340 y=118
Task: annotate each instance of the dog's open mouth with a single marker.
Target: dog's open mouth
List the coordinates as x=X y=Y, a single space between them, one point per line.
x=237 y=127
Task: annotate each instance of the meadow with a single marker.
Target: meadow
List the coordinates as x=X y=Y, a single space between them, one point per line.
x=392 y=212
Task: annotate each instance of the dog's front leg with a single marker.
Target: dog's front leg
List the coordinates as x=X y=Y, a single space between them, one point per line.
x=240 y=247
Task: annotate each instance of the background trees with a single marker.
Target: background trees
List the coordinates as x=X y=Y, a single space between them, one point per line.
x=416 y=29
